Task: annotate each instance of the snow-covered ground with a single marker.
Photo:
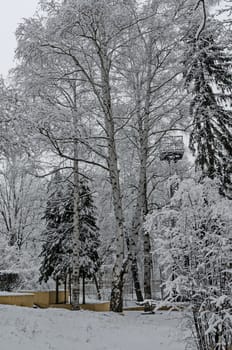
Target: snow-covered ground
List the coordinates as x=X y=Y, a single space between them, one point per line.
x=12 y=294
x=56 y=329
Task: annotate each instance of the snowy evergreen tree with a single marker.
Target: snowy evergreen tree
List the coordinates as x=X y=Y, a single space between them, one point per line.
x=57 y=250
x=57 y=227
x=208 y=77
x=89 y=232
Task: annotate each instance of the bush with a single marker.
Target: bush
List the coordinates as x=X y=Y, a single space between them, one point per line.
x=9 y=280
x=193 y=239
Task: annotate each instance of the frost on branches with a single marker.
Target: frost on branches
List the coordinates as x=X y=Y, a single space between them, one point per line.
x=194 y=239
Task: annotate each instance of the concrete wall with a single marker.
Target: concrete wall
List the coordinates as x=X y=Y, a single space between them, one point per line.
x=48 y=299
x=96 y=307
x=17 y=299
x=41 y=299
x=99 y=307
x=52 y=297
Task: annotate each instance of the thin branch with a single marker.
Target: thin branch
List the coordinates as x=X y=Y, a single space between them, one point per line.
x=203 y=23
x=61 y=154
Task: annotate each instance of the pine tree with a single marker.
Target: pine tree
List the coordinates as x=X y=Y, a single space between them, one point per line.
x=54 y=253
x=89 y=232
x=57 y=249
x=208 y=77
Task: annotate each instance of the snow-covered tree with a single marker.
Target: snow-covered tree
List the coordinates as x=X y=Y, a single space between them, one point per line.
x=208 y=77
x=150 y=80
x=57 y=249
x=21 y=201
x=87 y=50
x=56 y=229
x=89 y=233
x=193 y=235
x=90 y=71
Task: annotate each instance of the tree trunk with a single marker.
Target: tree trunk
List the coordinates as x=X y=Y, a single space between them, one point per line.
x=144 y=159
x=135 y=276
x=134 y=238
x=119 y=270
x=131 y=244
x=76 y=225
x=147 y=266
x=83 y=288
x=57 y=290
x=138 y=212
x=97 y=287
x=116 y=302
x=65 y=289
x=141 y=209
x=70 y=287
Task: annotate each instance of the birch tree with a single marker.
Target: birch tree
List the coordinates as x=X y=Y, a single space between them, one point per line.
x=21 y=199
x=152 y=73
x=96 y=38
x=86 y=44
x=55 y=119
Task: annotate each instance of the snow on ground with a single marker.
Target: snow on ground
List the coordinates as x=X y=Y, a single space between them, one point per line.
x=57 y=329
x=12 y=294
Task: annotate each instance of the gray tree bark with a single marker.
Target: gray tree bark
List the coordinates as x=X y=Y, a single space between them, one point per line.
x=76 y=218
x=76 y=235
x=147 y=266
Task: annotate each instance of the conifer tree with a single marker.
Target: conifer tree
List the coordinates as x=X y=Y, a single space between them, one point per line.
x=57 y=249
x=208 y=77
x=57 y=227
x=89 y=232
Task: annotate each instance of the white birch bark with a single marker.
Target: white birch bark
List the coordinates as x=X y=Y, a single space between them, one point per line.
x=116 y=302
x=141 y=208
x=76 y=235
x=144 y=158
x=76 y=224
x=138 y=212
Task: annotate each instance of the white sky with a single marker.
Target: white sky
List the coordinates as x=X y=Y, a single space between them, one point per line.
x=11 y=14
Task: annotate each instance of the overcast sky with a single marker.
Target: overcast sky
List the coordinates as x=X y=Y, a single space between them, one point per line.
x=11 y=14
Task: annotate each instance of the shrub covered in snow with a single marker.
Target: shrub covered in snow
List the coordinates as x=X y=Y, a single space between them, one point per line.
x=193 y=236
x=18 y=268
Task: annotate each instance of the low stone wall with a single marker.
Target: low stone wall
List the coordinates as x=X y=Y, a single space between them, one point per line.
x=61 y=306
x=96 y=307
x=61 y=299
x=45 y=299
x=41 y=299
x=17 y=299
x=99 y=307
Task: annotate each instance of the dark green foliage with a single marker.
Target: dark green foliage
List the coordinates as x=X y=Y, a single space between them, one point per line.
x=56 y=228
x=208 y=76
x=9 y=281
x=89 y=232
x=57 y=249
